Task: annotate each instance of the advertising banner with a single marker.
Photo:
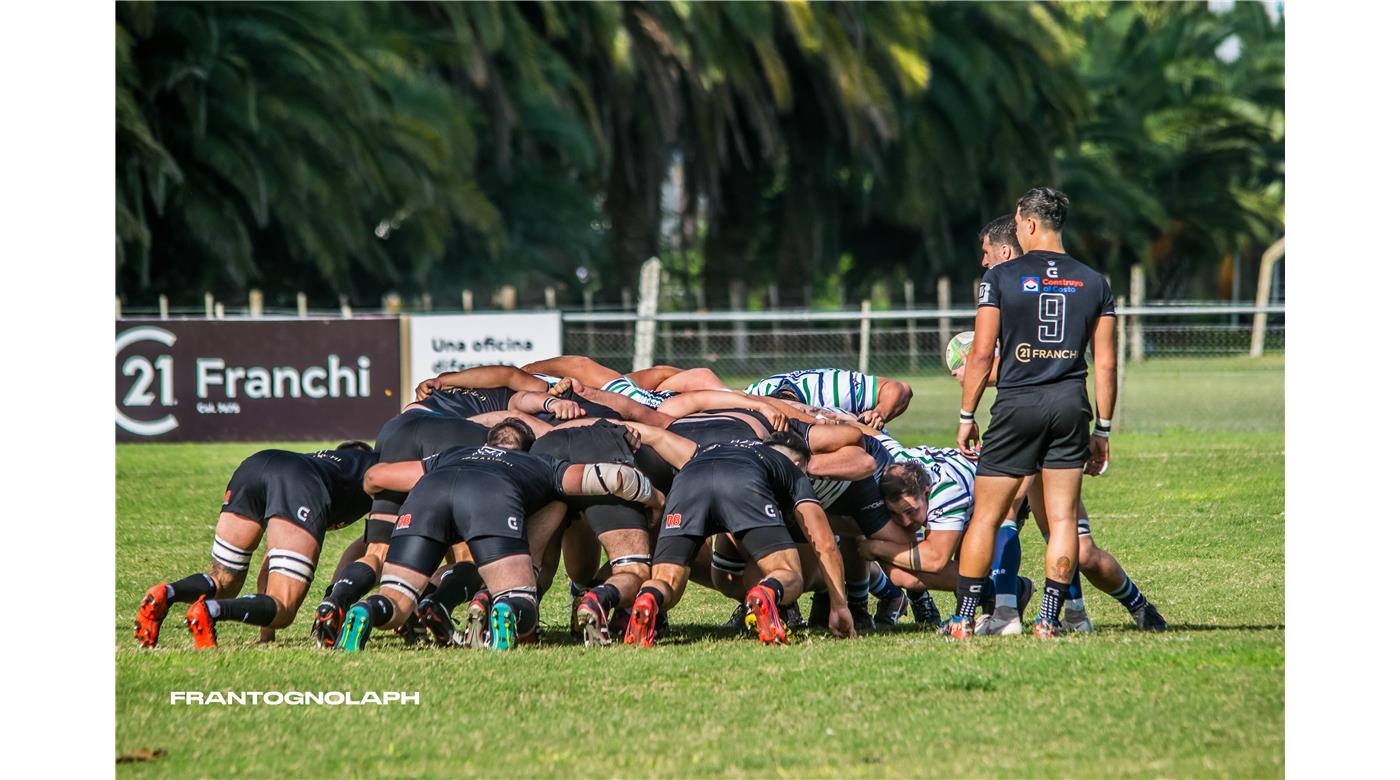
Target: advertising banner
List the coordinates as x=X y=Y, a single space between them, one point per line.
x=456 y=341
x=242 y=380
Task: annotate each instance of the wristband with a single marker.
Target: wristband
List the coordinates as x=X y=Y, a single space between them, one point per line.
x=1102 y=427
x=966 y=417
x=549 y=401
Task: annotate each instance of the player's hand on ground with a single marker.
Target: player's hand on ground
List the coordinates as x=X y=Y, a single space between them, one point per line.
x=969 y=440
x=565 y=410
x=1098 y=456
x=426 y=387
x=872 y=418
x=842 y=625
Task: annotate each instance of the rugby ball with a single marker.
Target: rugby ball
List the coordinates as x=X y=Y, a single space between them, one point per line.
x=956 y=353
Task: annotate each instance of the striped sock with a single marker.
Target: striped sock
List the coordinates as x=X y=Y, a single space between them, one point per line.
x=1128 y=594
x=858 y=592
x=1054 y=599
x=882 y=588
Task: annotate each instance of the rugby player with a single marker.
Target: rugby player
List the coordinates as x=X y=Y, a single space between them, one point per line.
x=498 y=498
x=874 y=400
x=745 y=488
x=1045 y=307
x=293 y=499
x=998 y=240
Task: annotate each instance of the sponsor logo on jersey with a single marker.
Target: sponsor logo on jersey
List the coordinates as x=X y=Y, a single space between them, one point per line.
x=303 y=513
x=984 y=293
x=1025 y=353
x=513 y=522
x=1048 y=283
x=673 y=520
x=1030 y=284
x=404 y=521
x=1052 y=271
x=769 y=510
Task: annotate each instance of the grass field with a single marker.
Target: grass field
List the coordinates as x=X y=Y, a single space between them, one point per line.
x=1193 y=508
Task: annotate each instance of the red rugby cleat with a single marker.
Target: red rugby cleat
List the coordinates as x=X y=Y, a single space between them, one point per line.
x=765 y=616
x=201 y=626
x=148 y=617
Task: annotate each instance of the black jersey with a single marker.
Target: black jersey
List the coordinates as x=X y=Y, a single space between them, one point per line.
x=1049 y=304
x=746 y=460
x=343 y=471
x=589 y=408
x=469 y=402
x=538 y=478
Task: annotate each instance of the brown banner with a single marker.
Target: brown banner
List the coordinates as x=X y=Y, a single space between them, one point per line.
x=227 y=380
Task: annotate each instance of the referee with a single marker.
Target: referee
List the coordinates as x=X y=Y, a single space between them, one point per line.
x=1043 y=308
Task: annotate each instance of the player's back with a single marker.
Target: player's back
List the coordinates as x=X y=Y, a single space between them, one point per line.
x=343 y=471
x=537 y=479
x=1049 y=305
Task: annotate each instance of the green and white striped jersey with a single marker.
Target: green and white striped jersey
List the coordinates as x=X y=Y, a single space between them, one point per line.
x=831 y=388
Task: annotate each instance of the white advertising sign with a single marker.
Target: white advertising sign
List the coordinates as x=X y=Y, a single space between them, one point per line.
x=453 y=342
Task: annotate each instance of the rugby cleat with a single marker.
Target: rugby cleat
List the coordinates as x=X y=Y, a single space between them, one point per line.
x=860 y=615
x=575 y=628
x=925 y=609
x=476 y=627
x=201 y=626
x=889 y=611
x=434 y=618
x=641 y=628
x=593 y=621
x=736 y=618
x=1045 y=628
x=325 y=627
x=1076 y=618
x=792 y=617
x=1023 y=595
x=617 y=626
x=355 y=633
x=503 y=627
x=958 y=627
x=1148 y=618
x=764 y=615
x=152 y=611
x=1004 y=621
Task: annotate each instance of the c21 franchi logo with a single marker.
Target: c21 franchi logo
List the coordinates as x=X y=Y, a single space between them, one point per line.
x=1025 y=353
x=146 y=373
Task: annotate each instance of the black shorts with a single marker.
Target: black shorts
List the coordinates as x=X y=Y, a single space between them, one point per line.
x=601 y=442
x=414 y=436
x=1045 y=426
x=451 y=505
x=863 y=503
x=273 y=483
x=705 y=500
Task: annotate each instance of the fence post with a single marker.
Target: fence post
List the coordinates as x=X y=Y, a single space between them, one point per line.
x=119 y=307
x=864 y=360
x=255 y=303
x=945 y=301
x=775 y=303
x=627 y=333
x=549 y=297
x=209 y=305
x=218 y=310
x=164 y=307
x=425 y=302
x=741 y=328
x=650 y=286
x=1121 y=325
x=507 y=297
x=909 y=326
x=301 y=305
x=393 y=304
x=1137 y=293
x=345 y=312
x=466 y=300
x=1262 y=296
x=588 y=327
x=704 y=329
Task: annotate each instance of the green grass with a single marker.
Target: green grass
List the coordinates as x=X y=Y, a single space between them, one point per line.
x=1193 y=508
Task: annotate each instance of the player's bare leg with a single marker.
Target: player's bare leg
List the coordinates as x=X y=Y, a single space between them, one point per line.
x=781 y=585
x=992 y=497
x=590 y=371
x=291 y=564
x=1060 y=488
x=235 y=539
x=690 y=380
x=651 y=378
x=629 y=562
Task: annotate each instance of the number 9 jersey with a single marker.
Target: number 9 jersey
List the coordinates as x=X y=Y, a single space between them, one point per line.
x=1049 y=304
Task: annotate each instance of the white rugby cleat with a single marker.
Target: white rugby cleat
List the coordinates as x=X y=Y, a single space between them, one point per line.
x=1004 y=621
x=1076 y=619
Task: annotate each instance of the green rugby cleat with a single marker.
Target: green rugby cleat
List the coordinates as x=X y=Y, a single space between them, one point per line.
x=502 y=627
x=355 y=632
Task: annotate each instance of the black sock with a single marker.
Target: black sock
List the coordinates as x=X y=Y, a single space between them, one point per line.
x=458 y=585
x=1054 y=599
x=656 y=594
x=190 y=588
x=776 y=586
x=526 y=606
x=255 y=610
x=381 y=610
x=608 y=595
x=1128 y=594
x=970 y=590
x=353 y=584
